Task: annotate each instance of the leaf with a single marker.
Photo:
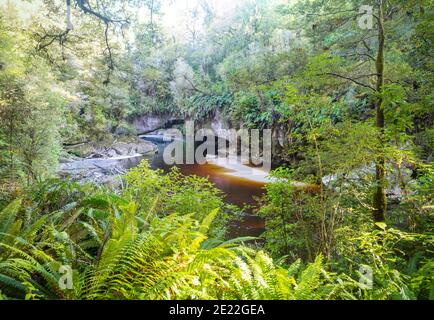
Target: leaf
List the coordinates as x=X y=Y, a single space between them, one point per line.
x=381 y=225
x=206 y=223
x=8 y=214
x=235 y=241
x=96 y=203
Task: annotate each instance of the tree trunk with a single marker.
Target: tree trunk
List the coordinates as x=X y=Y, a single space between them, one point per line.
x=380 y=201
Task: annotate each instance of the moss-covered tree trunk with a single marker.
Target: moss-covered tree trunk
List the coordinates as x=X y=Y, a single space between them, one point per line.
x=380 y=201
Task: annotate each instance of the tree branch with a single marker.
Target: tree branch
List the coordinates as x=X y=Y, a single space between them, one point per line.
x=330 y=13
x=193 y=87
x=351 y=79
x=86 y=8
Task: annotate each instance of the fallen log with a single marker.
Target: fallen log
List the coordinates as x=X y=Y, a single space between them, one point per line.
x=75 y=144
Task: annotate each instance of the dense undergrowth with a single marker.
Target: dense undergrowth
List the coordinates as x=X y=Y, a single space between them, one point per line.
x=163 y=237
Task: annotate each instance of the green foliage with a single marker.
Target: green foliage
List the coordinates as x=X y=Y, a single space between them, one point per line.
x=398 y=261
x=136 y=246
x=175 y=192
x=118 y=251
x=31 y=105
x=204 y=105
x=246 y=110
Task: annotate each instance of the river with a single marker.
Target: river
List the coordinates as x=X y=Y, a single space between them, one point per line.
x=240 y=187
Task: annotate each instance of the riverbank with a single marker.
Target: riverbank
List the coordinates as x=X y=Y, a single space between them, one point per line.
x=103 y=164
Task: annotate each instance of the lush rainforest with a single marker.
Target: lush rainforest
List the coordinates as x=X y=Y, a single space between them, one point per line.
x=344 y=86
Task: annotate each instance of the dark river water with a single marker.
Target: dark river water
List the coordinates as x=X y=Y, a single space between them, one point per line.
x=238 y=191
